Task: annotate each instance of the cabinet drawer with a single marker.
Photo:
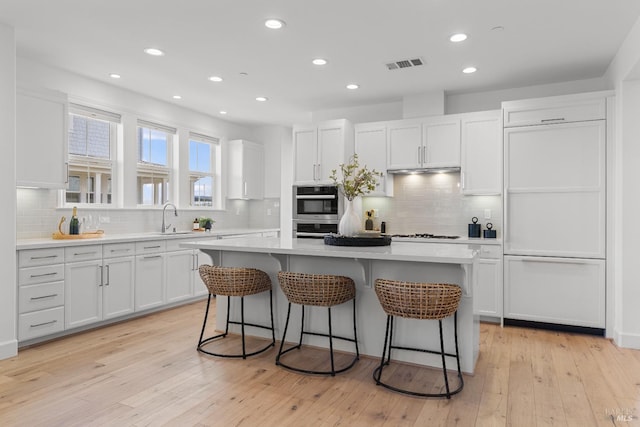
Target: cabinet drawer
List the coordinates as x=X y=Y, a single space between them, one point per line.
x=39 y=323
x=36 y=257
x=173 y=245
x=46 y=273
x=490 y=251
x=113 y=250
x=82 y=253
x=565 y=291
x=150 y=247
x=541 y=112
x=39 y=297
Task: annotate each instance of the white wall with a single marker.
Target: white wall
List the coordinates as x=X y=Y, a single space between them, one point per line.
x=623 y=74
x=37 y=208
x=8 y=315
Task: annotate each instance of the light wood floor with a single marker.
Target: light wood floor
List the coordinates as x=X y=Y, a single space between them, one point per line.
x=147 y=372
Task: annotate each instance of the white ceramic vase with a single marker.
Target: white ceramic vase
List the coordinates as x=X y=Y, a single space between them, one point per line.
x=350 y=223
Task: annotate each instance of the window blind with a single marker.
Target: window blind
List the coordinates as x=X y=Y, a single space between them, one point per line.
x=83 y=110
x=157 y=126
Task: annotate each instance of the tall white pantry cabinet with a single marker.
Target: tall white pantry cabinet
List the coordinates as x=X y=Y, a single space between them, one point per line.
x=555 y=204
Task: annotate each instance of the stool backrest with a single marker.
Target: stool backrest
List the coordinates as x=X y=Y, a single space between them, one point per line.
x=323 y=290
x=418 y=300
x=234 y=281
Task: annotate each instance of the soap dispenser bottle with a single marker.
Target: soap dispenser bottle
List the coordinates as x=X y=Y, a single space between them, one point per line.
x=196 y=224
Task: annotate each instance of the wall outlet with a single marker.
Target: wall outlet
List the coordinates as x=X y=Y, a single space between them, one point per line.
x=487 y=214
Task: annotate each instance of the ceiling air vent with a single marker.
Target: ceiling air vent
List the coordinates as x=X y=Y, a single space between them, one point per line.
x=405 y=63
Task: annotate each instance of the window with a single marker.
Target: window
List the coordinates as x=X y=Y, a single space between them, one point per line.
x=92 y=138
x=154 y=168
x=202 y=151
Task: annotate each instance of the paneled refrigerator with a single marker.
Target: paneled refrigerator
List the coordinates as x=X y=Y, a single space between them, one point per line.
x=555 y=207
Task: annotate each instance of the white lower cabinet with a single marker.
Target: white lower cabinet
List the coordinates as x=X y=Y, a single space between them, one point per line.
x=567 y=291
x=83 y=293
x=179 y=267
x=40 y=292
x=98 y=289
x=487 y=292
x=199 y=288
x=117 y=291
x=150 y=288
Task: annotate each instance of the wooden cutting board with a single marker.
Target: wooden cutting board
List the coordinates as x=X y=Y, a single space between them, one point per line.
x=59 y=236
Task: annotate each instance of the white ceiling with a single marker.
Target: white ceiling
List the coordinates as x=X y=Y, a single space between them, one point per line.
x=543 y=41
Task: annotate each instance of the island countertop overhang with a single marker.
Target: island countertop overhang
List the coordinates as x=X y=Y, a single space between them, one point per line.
x=404 y=251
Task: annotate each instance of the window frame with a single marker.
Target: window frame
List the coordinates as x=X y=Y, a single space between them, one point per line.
x=154 y=170
x=90 y=163
x=214 y=172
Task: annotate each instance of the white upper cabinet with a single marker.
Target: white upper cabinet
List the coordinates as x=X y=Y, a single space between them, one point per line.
x=41 y=139
x=481 y=155
x=560 y=109
x=425 y=143
x=318 y=149
x=246 y=171
x=371 y=148
x=441 y=142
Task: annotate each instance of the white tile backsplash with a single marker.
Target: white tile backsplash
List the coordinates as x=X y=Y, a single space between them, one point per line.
x=432 y=203
x=38 y=217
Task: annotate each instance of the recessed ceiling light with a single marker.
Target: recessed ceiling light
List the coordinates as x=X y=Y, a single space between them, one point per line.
x=114 y=76
x=319 y=61
x=223 y=112
x=153 y=51
x=262 y=98
x=274 y=24
x=470 y=70
x=352 y=86
x=215 y=79
x=177 y=97
x=459 y=37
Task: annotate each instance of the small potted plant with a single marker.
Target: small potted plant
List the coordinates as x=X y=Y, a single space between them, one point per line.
x=355 y=181
x=206 y=223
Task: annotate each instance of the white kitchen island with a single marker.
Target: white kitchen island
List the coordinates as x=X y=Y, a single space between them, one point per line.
x=417 y=262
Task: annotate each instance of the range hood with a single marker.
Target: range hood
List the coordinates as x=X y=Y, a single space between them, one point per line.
x=412 y=171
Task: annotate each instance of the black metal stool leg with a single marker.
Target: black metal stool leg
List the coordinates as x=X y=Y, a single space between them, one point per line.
x=333 y=367
x=355 y=331
x=204 y=324
x=444 y=363
x=284 y=335
x=244 y=350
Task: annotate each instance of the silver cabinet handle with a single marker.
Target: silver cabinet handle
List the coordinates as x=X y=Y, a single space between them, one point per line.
x=559 y=119
x=245 y=189
x=153 y=256
x=43 y=297
x=152 y=247
x=120 y=250
x=419 y=154
x=101 y=275
x=43 y=324
x=43 y=257
x=33 y=276
x=84 y=253
x=424 y=154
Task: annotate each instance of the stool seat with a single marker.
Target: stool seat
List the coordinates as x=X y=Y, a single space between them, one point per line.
x=319 y=290
x=423 y=301
x=235 y=282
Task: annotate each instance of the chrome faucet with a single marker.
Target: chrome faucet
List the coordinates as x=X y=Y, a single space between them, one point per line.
x=164 y=208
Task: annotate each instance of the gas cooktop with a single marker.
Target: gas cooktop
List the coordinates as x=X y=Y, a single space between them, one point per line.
x=424 y=236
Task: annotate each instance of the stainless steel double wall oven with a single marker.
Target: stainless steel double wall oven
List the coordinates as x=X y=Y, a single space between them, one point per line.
x=316 y=210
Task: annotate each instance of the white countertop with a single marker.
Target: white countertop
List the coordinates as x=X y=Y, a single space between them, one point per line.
x=401 y=251
x=460 y=240
x=135 y=237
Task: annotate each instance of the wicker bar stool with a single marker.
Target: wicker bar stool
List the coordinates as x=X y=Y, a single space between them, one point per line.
x=236 y=282
x=434 y=301
x=320 y=290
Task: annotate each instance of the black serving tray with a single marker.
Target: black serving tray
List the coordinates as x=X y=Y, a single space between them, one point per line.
x=338 y=240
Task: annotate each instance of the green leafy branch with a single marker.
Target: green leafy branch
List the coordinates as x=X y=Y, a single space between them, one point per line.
x=356 y=181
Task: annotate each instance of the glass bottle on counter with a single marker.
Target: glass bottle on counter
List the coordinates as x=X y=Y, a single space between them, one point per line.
x=74 y=224
x=196 y=224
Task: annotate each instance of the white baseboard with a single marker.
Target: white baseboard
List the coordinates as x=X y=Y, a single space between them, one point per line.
x=8 y=349
x=626 y=340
